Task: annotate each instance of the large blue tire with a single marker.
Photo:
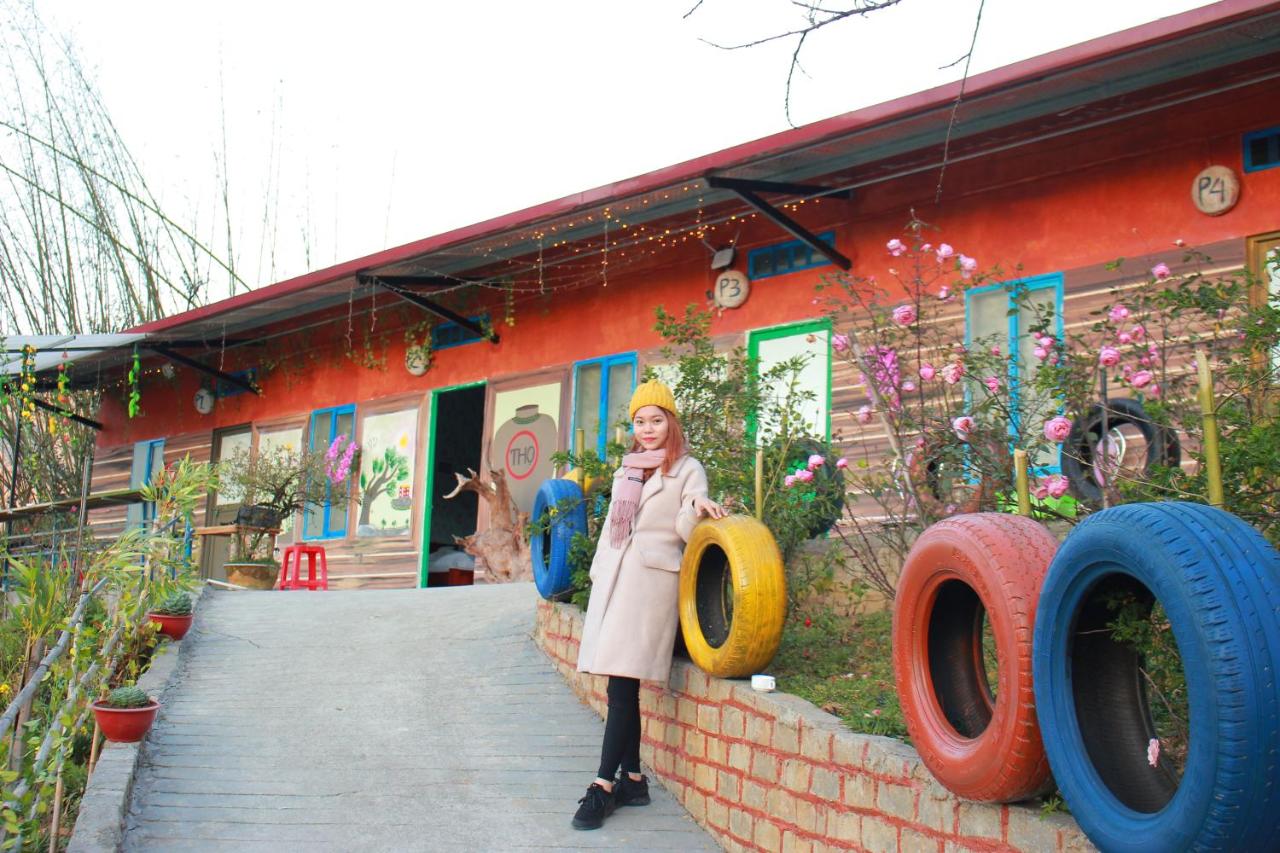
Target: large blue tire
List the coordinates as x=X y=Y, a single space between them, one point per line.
x=550 y=548
x=1218 y=581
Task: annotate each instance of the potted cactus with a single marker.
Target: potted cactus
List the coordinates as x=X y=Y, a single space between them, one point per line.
x=173 y=615
x=125 y=714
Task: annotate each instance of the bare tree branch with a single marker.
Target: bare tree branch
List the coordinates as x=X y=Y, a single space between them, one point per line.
x=955 y=108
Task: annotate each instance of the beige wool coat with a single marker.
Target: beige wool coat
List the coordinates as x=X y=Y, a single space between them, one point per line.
x=630 y=627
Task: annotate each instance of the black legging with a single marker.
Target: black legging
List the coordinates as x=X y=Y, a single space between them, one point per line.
x=621 y=728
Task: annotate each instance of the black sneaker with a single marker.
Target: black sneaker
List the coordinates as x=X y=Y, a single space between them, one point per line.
x=629 y=792
x=597 y=805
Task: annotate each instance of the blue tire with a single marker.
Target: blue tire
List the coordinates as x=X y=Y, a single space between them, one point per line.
x=550 y=547
x=1218 y=581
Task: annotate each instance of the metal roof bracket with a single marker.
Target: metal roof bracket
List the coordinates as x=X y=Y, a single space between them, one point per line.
x=397 y=285
x=747 y=191
x=168 y=353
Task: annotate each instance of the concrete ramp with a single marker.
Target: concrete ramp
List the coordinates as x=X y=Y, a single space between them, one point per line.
x=393 y=720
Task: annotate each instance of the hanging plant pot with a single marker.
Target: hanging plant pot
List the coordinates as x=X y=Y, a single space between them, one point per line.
x=173 y=627
x=253 y=575
x=417 y=360
x=125 y=725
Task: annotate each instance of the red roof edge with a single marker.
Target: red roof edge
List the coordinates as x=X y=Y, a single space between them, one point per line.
x=1153 y=32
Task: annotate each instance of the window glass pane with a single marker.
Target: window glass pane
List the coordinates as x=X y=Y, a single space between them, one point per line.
x=1271 y=274
x=764 y=264
x=814 y=348
x=587 y=404
x=989 y=317
x=228 y=446
x=619 y=396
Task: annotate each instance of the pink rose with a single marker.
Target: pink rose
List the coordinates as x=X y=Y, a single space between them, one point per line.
x=1161 y=271
x=1145 y=361
x=817 y=460
x=1118 y=313
x=842 y=463
x=1138 y=332
x=864 y=414
x=992 y=383
x=1125 y=338
x=1040 y=353
x=926 y=247
x=1108 y=356
x=840 y=343
x=1141 y=379
x=953 y=372
x=1153 y=751
x=967 y=266
x=1055 y=485
x=1153 y=391
x=995 y=350
x=945 y=251
x=962 y=426
x=927 y=372
x=1057 y=429
x=1153 y=350
x=945 y=293
x=1045 y=341
x=904 y=315
x=895 y=247
x=789 y=480
x=908 y=385
x=804 y=476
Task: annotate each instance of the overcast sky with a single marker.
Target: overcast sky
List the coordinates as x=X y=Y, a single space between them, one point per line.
x=351 y=127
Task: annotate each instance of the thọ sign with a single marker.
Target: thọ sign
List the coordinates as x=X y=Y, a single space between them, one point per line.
x=523 y=447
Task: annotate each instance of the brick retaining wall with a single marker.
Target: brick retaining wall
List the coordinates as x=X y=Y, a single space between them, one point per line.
x=769 y=771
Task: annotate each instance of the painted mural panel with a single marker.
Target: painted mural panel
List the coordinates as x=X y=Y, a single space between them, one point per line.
x=526 y=433
x=386 y=472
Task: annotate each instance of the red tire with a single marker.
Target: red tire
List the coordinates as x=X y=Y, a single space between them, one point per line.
x=961 y=571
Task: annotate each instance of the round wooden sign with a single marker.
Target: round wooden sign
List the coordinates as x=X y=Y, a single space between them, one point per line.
x=732 y=289
x=1215 y=190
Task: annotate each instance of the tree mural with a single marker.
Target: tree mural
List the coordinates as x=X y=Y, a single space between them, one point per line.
x=385 y=474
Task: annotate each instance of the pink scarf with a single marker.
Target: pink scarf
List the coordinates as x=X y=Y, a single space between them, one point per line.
x=626 y=494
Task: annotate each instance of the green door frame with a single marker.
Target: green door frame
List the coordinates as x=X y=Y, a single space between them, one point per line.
x=429 y=476
x=787 y=330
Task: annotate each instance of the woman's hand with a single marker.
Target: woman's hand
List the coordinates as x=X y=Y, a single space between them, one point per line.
x=708 y=508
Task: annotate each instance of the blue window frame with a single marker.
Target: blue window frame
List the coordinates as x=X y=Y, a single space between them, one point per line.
x=148 y=459
x=993 y=310
x=1262 y=149
x=448 y=335
x=324 y=521
x=781 y=258
x=601 y=393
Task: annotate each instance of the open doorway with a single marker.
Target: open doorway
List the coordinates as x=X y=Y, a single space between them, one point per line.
x=456 y=435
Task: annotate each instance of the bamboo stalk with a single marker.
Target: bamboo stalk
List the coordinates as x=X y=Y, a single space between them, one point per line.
x=93 y=749
x=56 y=817
x=580 y=441
x=1024 y=489
x=1212 y=461
x=760 y=485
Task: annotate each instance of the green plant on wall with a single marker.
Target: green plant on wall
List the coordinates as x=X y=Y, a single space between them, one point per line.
x=385 y=475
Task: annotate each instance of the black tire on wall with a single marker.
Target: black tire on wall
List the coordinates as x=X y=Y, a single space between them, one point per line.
x=1162 y=443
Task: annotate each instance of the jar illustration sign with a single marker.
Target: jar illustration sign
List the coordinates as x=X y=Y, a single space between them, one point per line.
x=522 y=447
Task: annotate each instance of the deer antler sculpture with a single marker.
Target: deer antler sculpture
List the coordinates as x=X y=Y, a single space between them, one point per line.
x=502 y=547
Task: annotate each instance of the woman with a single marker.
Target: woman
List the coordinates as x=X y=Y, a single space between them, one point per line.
x=659 y=494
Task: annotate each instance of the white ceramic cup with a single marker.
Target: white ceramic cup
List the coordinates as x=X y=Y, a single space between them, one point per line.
x=763 y=683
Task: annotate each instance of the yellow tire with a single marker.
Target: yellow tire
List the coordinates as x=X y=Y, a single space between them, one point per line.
x=733 y=596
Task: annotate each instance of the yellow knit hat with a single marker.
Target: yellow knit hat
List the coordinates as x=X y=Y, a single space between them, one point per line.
x=652 y=393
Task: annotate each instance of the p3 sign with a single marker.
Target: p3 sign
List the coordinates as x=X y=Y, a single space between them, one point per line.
x=731 y=289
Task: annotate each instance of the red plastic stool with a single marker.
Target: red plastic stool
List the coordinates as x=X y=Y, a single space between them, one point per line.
x=292 y=556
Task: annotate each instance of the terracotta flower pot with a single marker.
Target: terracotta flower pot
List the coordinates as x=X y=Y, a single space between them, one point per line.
x=125 y=725
x=253 y=575
x=173 y=627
